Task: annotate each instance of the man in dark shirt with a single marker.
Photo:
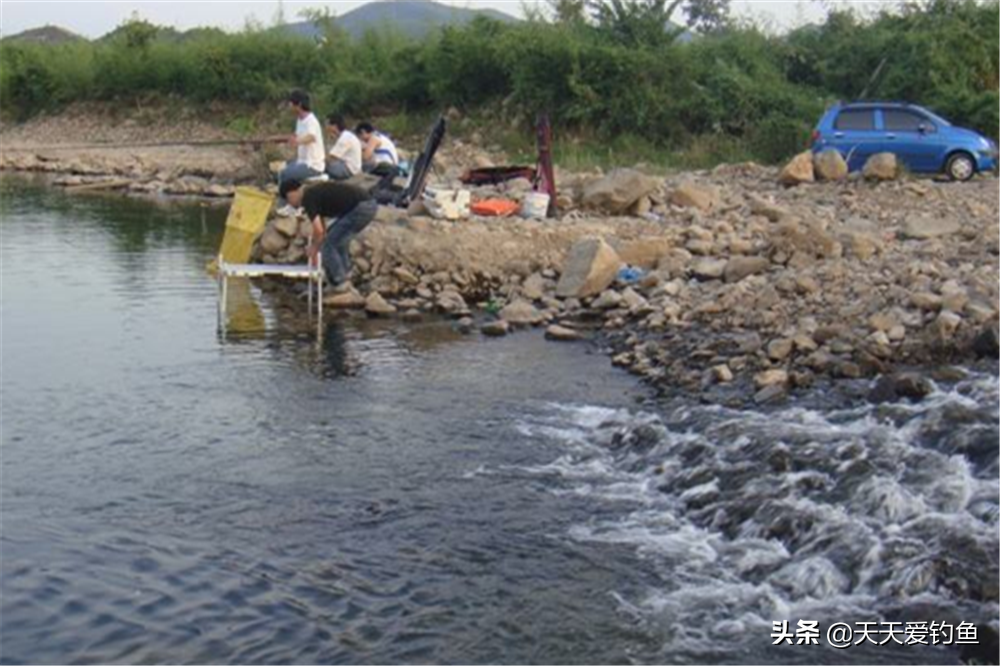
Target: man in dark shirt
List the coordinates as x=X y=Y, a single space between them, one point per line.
x=353 y=209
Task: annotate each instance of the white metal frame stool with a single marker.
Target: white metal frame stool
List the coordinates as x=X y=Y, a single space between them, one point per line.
x=311 y=272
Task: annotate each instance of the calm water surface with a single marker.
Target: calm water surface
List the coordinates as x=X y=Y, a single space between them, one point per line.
x=400 y=493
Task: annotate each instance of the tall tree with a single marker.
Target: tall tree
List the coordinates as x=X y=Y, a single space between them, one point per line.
x=650 y=21
x=568 y=11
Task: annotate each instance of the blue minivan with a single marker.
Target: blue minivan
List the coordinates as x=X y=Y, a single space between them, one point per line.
x=923 y=141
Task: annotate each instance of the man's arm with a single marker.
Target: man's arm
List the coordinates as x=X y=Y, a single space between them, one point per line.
x=318 y=233
x=368 y=148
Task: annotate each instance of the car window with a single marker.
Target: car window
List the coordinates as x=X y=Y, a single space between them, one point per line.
x=855 y=119
x=897 y=120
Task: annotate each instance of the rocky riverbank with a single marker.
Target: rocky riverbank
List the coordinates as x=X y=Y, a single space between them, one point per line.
x=734 y=284
x=742 y=281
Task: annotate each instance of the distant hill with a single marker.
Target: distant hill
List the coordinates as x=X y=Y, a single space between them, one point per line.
x=50 y=34
x=408 y=17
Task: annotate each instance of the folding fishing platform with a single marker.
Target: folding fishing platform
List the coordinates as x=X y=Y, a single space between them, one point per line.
x=246 y=219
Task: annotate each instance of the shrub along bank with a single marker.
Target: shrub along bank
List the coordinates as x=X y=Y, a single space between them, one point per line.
x=737 y=92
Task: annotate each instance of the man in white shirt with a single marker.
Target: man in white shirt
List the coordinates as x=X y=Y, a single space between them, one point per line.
x=310 y=159
x=345 y=156
x=378 y=151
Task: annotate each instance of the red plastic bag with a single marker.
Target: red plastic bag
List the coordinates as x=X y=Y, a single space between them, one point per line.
x=494 y=207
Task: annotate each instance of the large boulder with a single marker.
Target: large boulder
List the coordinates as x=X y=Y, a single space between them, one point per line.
x=881 y=166
x=830 y=165
x=589 y=269
x=691 y=195
x=618 y=191
x=798 y=170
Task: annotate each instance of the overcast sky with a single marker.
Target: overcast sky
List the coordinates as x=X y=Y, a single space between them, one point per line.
x=93 y=18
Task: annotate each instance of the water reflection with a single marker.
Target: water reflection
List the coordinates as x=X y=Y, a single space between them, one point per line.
x=172 y=496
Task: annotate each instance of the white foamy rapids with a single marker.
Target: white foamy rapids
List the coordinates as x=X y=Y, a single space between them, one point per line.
x=840 y=515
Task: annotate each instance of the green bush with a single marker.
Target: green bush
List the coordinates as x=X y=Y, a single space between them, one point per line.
x=728 y=93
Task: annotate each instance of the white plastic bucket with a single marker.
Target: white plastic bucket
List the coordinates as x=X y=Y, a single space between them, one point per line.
x=535 y=206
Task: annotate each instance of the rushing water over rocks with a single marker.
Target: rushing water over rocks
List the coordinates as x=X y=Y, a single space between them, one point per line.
x=874 y=513
x=400 y=493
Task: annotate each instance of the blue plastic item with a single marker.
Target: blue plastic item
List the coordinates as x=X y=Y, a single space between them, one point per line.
x=630 y=274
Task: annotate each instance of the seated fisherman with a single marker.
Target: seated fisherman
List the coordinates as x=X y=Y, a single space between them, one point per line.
x=344 y=160
x=308 y=140
x=353 y=210
x=379 y=153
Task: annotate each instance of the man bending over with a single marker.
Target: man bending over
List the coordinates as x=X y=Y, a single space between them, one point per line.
x=351 y=209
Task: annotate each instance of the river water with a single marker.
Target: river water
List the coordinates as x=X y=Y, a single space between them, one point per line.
x=399 y=493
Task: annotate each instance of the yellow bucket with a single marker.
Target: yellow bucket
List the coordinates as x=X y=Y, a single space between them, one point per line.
x=247 y=217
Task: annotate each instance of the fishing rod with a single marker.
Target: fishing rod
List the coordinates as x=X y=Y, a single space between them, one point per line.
x=151 y=144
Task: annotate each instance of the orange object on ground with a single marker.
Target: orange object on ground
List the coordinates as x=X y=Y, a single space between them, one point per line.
x=494 y=207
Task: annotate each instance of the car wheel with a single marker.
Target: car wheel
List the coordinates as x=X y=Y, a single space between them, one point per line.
x=960 y=167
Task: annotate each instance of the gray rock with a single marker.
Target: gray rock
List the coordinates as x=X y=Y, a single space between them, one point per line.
x=770 y=377
x=722 y=374
x=881 y=166
x=608 y=300
x=533 y=287
x=590 y=268
x=561 y=333
x=924 y=227
x=761 y=206
x=616 y=192
x=738 y=268
x=520 y=313
x=926 y=300
x=779 y=350
x=272 y=241
x=287 y=226
x=908 y=385
x=798 y=170
x=451 y=302
x=691 y=195
x=377 y=306
x=986 y=344
x=709 y=269
x=495 y=329
x=345 y=300
x=946 y=324
x=771 y=393
x=830 y=165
